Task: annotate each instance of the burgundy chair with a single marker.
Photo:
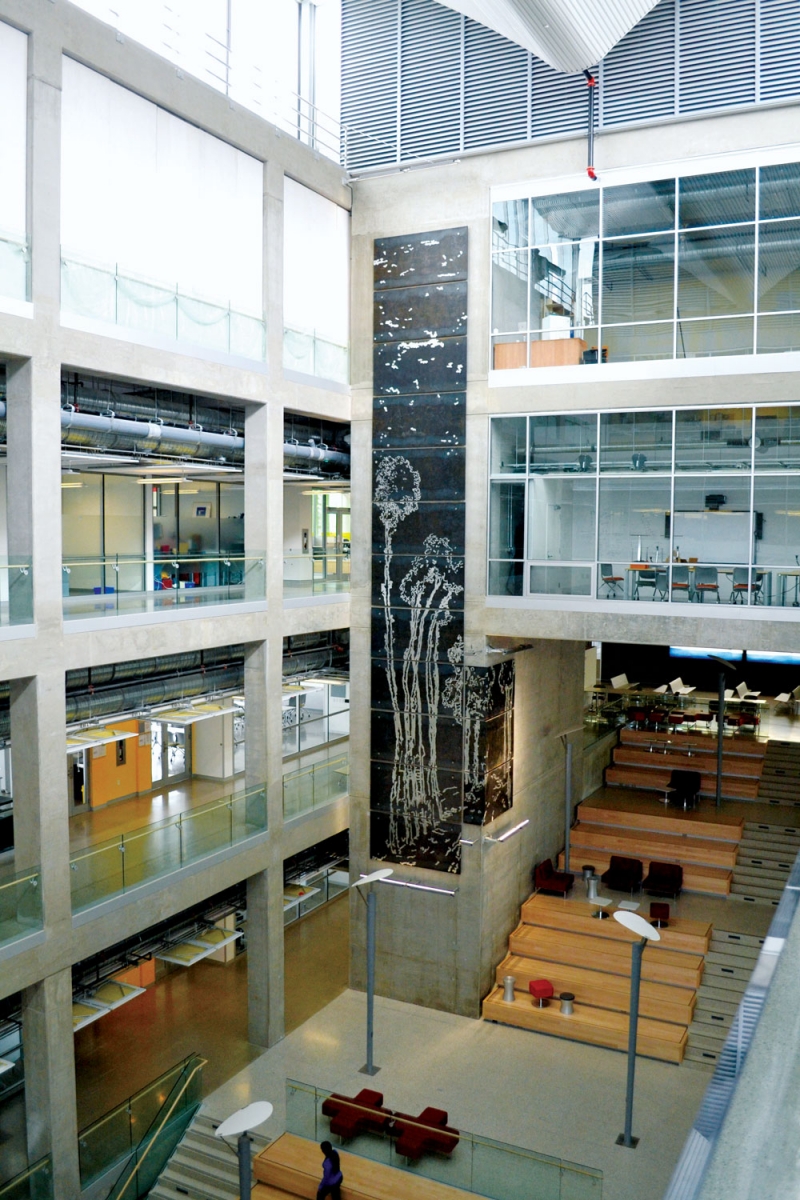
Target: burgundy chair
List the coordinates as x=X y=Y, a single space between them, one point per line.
x=659 y=915
x=546 y=879
x=429 y=1132
x=664 y=879
x=363 y=1113
x=623 y=874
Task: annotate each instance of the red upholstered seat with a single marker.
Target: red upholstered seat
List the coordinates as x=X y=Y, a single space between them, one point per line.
x=546 y=879
x=659 y=914
x=427 y=1132
x=541 y=990
x=361 y=1114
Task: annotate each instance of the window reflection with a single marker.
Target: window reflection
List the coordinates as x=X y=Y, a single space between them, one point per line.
x=716 y=272
x=639 y=208
x=563 y=443
x=638 y=279
x=713 y=437
x=636 y=441
x=509 y=224
x=565 y=218
x=561 y=519
x=719 y=199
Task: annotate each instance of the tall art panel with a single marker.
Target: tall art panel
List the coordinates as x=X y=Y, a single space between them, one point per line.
x=441 y=730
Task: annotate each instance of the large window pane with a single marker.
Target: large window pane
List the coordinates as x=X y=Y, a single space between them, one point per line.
x=565 y=218
x=777 y=334
x=564 y=286
x=776 y=501
x=633 y=520
x=198 y=518
x=231 y=518
x=510 y=292
x=563 y=443
x=561 y=521
x=639 y=207
x=509 y=224
x=721 y=336
x=636 y=441
x=778 y=438
x=780 y=191
x=635 y=343
x=716 y=438
x=505 y=578
x=711 y=521
x=779 y=266
x=638 y=279
x=718 y=199
x=560 y=581
x=564 y=348
x=507 y=520
x=509 y=445
x=715 y=272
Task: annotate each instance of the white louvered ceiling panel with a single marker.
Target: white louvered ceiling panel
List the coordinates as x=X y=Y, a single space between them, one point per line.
x=638 y=76
x=717 y=54
x=495 y=88
x=369 y=82
x=430 y=79
x=570 y=35
x=780 y=49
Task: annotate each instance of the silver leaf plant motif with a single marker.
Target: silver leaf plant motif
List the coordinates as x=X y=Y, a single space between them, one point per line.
x=417 y=803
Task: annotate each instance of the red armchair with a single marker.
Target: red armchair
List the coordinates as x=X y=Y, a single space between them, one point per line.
x=664 y=879
x=363 y=1113
x=623 y=874
x=428 y=1132
x=546 y=879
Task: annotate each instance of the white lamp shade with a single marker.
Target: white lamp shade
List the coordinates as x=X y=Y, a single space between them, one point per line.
x=636 y=924
x=246 y=1118
x=383 y=873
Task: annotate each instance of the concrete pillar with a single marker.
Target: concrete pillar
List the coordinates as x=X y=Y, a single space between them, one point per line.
x=265 y=978
x=50 y=1104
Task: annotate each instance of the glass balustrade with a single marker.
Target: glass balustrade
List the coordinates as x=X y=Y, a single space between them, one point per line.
x=128 y=584
x=15 y=265
x=34 y=1183
x=312 y=355
x=315 y=785
x=105 y=293
x=477 y=1164
x=20 y=905
x=315 y=575
x=16 y=592
x=114 y=867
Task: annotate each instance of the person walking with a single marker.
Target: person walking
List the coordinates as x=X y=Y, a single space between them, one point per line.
x=331 y=1174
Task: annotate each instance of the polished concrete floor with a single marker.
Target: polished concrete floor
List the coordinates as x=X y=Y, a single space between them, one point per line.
x=542 y=1093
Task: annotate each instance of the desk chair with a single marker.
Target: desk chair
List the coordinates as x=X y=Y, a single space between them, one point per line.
x=610 y=581
x=683 y=788
x=742 y=585
x=680 y=579
x=706 y=579
x=644 y=579
x=661 y=586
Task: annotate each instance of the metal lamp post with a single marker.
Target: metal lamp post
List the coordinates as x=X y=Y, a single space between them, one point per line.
x=725 y=668
x=646 y=932
x=369 y=1067
x=239 y=1125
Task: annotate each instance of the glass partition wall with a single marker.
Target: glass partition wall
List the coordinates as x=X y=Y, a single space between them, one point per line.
x=671 y=507
x=692 y=267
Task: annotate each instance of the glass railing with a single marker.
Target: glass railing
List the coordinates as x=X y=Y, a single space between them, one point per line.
x=312 y=733
x=477 y=1164
x=16 y=592
x=15 y=267
x=307 y=575
x=164 y=1112
x=127 y=584
x=313 y=786
x=313 y=355
x=20 y=905
x=105 y=293
x=114 y=867
x=34 y=1183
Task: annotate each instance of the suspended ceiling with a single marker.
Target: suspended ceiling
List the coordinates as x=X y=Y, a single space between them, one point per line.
x=570 y=35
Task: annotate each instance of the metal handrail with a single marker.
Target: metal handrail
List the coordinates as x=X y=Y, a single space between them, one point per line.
x=135 y=561
x=11 y=1185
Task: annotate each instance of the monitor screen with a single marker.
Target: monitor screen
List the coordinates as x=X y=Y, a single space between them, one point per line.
x=706 y=652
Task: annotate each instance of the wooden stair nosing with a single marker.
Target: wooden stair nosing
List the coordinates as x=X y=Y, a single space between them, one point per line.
x=742 y=768
x=661 y=846
x=659 y=966
x=538 y=910
x=663 y=822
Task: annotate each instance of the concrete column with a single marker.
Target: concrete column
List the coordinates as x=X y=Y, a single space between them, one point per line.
x=50 y=1104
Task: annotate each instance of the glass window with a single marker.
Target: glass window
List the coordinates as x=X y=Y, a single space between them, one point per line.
x=638 y=279
x=231 y=518
x=719 y=336
x=777 y=334
x=776 y=522
x=507 y=520
x=636 y=441
x=633 y=524
x=719 y=199
x=564 y=287
x=165 y=519
x=636 y=343
x=509 y=445
x=509 y=224
x=560 y=581
x=779 y=191
x=639 y=208
x=510 y=292
x=505 y=578
x=778 y=438
x=198 y=518
x=711 y=520
x=779 y=266
x=563 y=443
x=716 y=272
x=561 y=518
x=122 y=515
x=716 y=438
x=81 y=514
x=565 y=218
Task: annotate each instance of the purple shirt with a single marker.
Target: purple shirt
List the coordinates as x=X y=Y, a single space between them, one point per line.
x=330 y=1177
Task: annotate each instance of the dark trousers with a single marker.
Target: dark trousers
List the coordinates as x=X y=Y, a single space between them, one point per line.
x=329 y=1189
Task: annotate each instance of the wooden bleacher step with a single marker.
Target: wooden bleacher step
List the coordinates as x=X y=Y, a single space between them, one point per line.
x=666 y=820
x=658 y=966
x=664 y=847
x=577 y=917
x=712 y=881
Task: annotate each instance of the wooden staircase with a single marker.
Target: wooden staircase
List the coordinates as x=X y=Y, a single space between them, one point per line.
x=729 y=964
x=780 y=777
x=563 y=942
x=705 y=847
x=766 y=856
x=646 y=760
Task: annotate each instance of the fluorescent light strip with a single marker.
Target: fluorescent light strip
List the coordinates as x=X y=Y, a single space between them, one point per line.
x=418 y=887
x=509 y=832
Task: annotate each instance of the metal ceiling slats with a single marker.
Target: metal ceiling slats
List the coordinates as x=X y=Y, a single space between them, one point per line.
x=430 y=78
x=638 y=76
x=717 y=54
x=780 y=48
x=369 y=82
x=495 y=88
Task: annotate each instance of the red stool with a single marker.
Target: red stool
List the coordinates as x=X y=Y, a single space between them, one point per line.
x=659 y=915
x=541 y=990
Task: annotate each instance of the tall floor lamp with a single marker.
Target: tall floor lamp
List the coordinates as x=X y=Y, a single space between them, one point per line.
x=239 y=1125
x=646 y=933
x=725 y=669
x=369 y=1067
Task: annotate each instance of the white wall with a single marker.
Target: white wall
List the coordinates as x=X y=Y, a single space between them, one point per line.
x=316 y=270
x=146 y=190
x=296 y=518
x=13 y=134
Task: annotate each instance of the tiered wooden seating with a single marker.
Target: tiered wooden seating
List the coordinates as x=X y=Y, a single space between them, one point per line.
x=292 y=1166
x=634 y=764
x=705 y=846
x=562 y=942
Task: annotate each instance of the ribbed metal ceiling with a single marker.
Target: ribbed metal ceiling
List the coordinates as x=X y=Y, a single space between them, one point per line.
x=570 y=35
